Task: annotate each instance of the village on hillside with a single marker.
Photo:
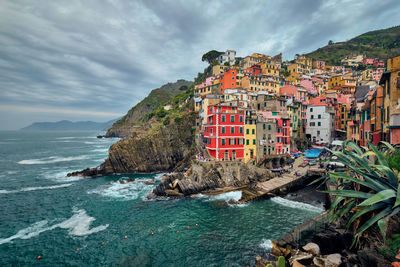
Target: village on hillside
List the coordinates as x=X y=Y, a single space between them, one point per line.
x=259 y=106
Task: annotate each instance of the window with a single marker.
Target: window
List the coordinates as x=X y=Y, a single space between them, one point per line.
x=247 y=131
x=222 y=141
x=269 y=137
x=318 y=132
x=263 y=126
x=311 y=109
x=319 y=116
x=232 y=118
x=254 y=141
x=247 y=141
x=312 y=116
x=232 y=130
x=240 y=129
x=240 y=118
x=253 y=131
x=223 y=130
x=312 y=123
x=223 y=118
x=319 y=123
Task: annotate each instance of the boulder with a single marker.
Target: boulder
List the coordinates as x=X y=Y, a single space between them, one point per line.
x=297 y=264
x=333 y=260
x=312 y=248
x=319 y=261
x=301 y=257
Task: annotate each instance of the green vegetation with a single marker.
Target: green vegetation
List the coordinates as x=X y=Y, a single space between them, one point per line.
x=211 y=56
x=368 y=191
x=154 y=102
x=381 y=44
x=281 y=261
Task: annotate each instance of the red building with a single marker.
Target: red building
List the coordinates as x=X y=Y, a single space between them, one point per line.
x=282 y=135
x=224 y=132
x=229 y=79
x=254 y=70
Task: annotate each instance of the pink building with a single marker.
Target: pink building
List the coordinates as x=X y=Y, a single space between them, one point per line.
x=377 y=74
x=368 y=61
x=307 y=83
x=292 y=91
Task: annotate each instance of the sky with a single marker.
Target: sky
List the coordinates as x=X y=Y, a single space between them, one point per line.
x=94 y=60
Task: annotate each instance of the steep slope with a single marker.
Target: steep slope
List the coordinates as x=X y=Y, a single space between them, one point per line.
x=157 y=98
x=164 y=148
x=376 y=44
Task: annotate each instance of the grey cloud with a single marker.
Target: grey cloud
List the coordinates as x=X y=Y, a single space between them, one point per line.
x=106 y=57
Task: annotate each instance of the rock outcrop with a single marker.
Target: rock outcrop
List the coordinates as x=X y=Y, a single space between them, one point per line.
x=204 y=176
x=162 y=148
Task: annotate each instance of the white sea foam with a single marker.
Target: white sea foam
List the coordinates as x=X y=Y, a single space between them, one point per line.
x=61 y=176
x=229 y=196
x=101 y=150
x=65 y=138
x=77 y=225
x=266 y=244
x=159 y=176
x=297 y=205
x=50 y=160
x=27 y=189
x=129 y=191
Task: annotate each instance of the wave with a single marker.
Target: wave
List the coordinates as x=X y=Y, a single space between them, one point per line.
x=77 y=225
x=229 y=196
x=61 y=176
x=128 y=191
x=66 y=138
x=297 y=205
x=27 y=189
x=100 y=150
x=50 y=160
x=266 y=244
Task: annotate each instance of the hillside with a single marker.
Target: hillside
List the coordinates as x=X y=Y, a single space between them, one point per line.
x=156 y=99
x=376 y=44
x=66 y=125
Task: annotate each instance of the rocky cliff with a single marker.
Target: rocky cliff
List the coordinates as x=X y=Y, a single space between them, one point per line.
x=162 y=148
x=203 y=176
x=156 y=99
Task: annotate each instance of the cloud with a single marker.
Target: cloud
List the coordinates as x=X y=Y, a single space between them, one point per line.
x=83 y=55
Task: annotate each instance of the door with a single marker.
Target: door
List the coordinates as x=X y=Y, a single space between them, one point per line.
x=233 y=155
x=226 y=155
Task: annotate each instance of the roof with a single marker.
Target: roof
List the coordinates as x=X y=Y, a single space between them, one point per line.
x=362 y=91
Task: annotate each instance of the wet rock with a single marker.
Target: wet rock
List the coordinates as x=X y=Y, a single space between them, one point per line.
x=333 y=240
x=333 y=260
x=301 y=257
x=173 y=193
x=312 y=248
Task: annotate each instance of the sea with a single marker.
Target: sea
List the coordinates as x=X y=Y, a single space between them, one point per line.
x=48 y=219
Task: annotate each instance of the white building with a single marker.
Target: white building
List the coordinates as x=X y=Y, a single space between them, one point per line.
x=229 y=56
x=320 y=123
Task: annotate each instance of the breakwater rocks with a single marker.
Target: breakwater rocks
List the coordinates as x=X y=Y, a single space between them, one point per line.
x=208 y=176
x=167 y=148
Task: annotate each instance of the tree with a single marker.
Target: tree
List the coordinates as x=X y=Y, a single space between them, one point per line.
x=330 y=42
x=211 y=56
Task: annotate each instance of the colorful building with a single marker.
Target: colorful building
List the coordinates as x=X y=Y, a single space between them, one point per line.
x=250 y=127
x=224 y=132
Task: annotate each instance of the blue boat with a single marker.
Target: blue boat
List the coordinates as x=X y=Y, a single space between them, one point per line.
x=312 y=153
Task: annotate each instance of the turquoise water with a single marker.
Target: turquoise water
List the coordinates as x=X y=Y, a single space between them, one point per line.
x=43 y=213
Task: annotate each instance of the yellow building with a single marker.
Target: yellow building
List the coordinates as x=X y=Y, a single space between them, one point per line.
x=342 y=80
x=250 y=148
x=367 y=75
x=298 y=68
x=307 y=62
x=218 y=69
x=256 y=83
x=269 y=67
x=255 y=58
x=294 y=78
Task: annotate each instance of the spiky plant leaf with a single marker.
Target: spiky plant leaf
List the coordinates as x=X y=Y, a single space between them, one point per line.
x=378 y=197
